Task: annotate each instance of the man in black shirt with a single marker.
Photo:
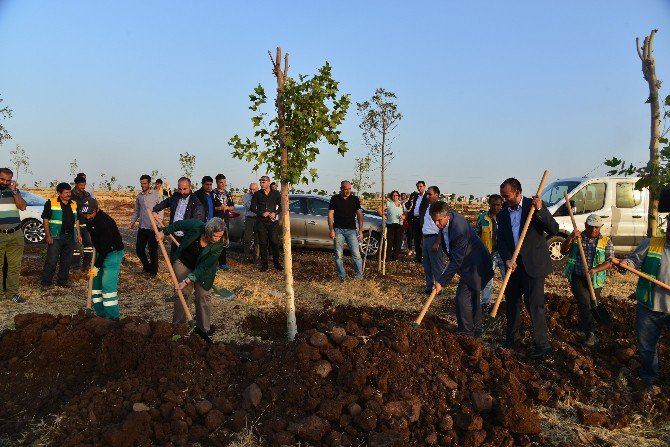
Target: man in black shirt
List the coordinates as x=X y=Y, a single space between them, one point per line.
x=60 y=222
x=343 y=211
x=79 y=195
x=266 y=204
x=108 y=255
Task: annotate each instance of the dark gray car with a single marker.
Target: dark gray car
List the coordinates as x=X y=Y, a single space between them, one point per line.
x=309 y=224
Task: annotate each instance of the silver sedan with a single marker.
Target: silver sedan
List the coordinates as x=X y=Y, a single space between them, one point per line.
x=309 y=224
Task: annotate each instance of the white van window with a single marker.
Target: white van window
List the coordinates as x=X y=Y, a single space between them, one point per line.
x=627 y=196
x=589 y=199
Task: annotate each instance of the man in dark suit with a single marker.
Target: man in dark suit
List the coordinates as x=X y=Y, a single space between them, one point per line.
x=469 y=258
x=183 y=206
x=414 y=205
x=532 y=265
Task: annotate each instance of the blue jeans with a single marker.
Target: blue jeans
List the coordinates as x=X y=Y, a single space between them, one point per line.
x=488 y=289
x=648 y=326
x=351 y=237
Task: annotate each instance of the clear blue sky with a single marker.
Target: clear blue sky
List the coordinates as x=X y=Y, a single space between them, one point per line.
x=488 y=89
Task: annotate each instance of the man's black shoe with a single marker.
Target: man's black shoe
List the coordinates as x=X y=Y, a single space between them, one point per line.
x=278 y=267
x=264 y=268
x=509 y=344
x=427 y=291
x=538 y=353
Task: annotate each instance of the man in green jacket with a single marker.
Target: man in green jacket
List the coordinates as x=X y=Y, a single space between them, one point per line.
x=195 y=263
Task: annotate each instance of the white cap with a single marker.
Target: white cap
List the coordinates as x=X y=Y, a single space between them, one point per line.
x=594 y=221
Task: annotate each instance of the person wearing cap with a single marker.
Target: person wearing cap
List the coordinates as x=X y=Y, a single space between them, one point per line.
x=652 y=312
x=599 y=251
x=61 y=228
x=266 y=204
x=108 y=256
x=79 y=196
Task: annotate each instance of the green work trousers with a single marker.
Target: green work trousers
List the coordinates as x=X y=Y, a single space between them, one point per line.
x=104 y=296
x=11 y=245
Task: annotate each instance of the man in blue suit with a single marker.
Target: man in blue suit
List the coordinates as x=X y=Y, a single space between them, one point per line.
x=532 y=265
x=469 y=258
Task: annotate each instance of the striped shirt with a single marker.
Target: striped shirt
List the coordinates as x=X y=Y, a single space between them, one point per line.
x=590 y=251
x=9 y=213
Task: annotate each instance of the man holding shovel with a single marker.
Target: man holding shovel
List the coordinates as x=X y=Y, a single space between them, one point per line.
x=652 y=314
x=532 y=265
x=599 y=251
x=108 y=246
x=469 y=258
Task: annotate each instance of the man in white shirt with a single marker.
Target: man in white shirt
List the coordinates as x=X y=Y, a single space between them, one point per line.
x=432 y=257
x=414 y=211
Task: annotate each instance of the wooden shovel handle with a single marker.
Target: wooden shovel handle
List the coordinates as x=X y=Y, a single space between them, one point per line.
x=494 y=311
x=581 y=249
x=172 y=274
x=643 y=275
x=161 y=223
x=425 y=308
x=89 y=296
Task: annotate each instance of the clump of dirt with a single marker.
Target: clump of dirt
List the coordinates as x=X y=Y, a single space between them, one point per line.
x=355 y=381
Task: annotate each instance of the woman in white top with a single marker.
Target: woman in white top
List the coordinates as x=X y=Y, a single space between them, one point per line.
x=395 y=214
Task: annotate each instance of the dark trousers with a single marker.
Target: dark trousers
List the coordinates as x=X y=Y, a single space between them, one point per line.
x=82 y=257
x=580 y=289
x=468 y=310
x=249 y=228
x=409 y=236
x=268 y=234
x=418 y=238
x=60 y=252
x=223 y=259
x=532 y=290
x=393 y=241
x=146 y=236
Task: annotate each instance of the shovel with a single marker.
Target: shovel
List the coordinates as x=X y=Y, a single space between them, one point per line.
x=640 y=274
x=158 y=221
x=599 y=311
x=189 y=318
x=89 y=296
x=494 y=311
x=419 y=319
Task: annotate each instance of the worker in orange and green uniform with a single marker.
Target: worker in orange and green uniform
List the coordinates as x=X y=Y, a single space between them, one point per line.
x=487 y=229
x=652 y=256
x=108 y=246
x=599 y=251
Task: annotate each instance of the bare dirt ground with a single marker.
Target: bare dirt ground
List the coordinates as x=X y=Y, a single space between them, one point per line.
x=389 y=385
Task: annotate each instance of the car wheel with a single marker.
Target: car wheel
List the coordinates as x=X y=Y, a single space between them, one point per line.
x=33 y=231
x=370 y=244
x=558 y=260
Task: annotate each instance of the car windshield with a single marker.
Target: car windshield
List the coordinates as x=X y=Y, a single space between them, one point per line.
x=32 y=199
x=553 y=193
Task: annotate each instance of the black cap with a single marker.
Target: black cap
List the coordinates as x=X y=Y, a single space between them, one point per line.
x=89 y=206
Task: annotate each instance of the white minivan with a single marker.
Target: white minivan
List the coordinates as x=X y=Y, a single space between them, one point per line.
x=615 y=199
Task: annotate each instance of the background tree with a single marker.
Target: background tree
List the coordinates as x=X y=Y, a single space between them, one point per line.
x=653 y=175
x=5 y=113
x=20 y=161
x=74 y=168
x=187 y=163
x=379 y=118
x=308 y=111
x=361 y=179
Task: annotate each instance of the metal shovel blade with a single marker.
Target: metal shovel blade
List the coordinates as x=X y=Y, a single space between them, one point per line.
x=601 y=315
x=192 y=324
